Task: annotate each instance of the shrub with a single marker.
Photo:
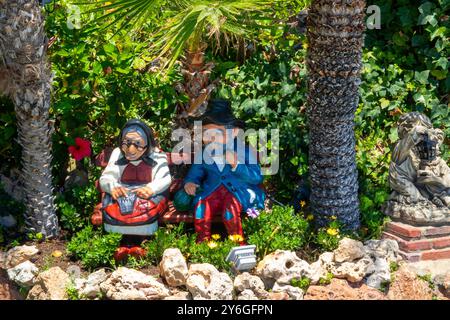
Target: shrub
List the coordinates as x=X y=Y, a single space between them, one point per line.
x=328 y=237
x=213 y=252
x=302 y=283
x=280 y=228
x=94 y=248
x=169 y=237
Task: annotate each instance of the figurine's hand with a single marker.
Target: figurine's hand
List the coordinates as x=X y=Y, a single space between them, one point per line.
x=190 y=188
x=119 y=192
x=144 y=192
x=231 y=158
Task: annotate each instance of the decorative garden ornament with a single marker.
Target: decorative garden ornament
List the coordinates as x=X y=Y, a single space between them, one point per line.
x=243 y=258
x=419 y=177
x=229 y=180
x=135 y=182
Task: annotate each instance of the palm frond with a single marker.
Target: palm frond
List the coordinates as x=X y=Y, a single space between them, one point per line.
x=191 y=23
x=207 y=21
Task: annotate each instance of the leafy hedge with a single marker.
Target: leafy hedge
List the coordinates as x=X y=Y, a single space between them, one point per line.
x=101 y=81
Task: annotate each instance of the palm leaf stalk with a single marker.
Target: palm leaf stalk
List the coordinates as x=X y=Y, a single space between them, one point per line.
x=335 y=35
x=23 y=46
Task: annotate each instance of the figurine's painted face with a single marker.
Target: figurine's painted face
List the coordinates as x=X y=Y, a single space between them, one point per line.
x=217 y=133
x=133 y=146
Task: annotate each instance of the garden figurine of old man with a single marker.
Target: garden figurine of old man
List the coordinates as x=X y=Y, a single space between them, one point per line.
x=225 y=177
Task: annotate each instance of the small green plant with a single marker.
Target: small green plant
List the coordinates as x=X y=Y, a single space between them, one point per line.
x=279 y=229
x=72 y=292
x=384 y=286
x=328 y=237
x=213 y=252
x=48 y=262
x=14 y=243
x=35 y=236
x=428 y=278
x=23 y=291
x=136 y=263
x=169 y=237
x=302 y=283
x=327 y=279
x=70 y=217
x=94 y=248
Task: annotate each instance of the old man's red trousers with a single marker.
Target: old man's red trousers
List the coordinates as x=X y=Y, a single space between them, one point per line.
x=220 y=202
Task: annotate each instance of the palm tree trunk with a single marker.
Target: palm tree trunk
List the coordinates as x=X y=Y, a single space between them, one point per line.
x=23 y=46
x=335 y=33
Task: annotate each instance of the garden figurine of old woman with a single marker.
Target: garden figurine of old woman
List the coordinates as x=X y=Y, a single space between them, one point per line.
x=135 y=181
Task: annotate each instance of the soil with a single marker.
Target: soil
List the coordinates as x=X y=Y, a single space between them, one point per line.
x=8 y=290
x=45 y=259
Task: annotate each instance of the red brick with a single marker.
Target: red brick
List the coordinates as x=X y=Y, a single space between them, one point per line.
x=404 y=230
x=418 y=245
x=435 y=254
x=434 y=231
x=440 y=243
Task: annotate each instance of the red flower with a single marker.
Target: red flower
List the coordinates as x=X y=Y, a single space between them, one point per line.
x=81 y=149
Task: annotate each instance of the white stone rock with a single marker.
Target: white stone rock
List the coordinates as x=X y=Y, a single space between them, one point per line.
x=386 y=248
x=294 y=293
x=326 y=258
x=352 y=271
x=50 y=285
x=282 y=266
x=247 y=295
x=379 y=273
x=91 y=286
x=317 y=270
x=79 y=283
x=179 y=295
x=173 y=267
x=247 y=281
x=19 y=254
x=23 y=274
x=348 y=250
x=206 y=282
x=129 y=284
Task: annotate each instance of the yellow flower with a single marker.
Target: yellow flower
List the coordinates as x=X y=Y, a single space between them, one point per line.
x=310 y=217
x=57 y=253
x=332 y=231
x=215 y=236
x=236 y=238
x=333 y=217
x=302 y=203
x=212 y=244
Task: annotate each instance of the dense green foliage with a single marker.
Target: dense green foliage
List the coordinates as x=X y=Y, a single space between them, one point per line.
x=93 y=247
x=280 y=228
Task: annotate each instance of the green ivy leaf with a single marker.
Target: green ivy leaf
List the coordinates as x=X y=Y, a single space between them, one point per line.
x=287 y=89
x=422 y=76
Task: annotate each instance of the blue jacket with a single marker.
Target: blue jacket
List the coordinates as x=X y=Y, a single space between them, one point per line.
x=243 y=182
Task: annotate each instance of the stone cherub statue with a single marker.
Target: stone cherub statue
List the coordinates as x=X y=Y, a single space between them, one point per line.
x=419 y=177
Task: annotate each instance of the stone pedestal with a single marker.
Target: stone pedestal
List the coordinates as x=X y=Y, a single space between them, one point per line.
x=420 y=243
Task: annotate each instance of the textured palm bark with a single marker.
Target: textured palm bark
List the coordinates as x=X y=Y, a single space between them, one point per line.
x=23 y=46
x=335 y=33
